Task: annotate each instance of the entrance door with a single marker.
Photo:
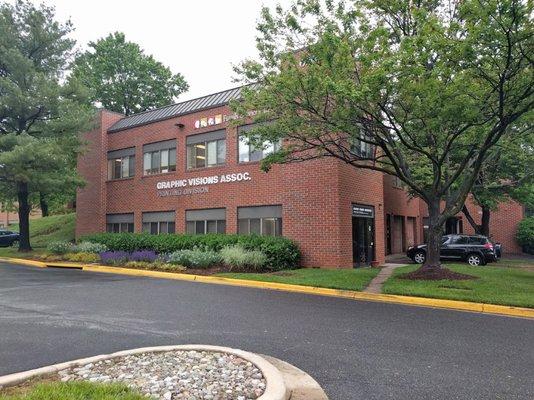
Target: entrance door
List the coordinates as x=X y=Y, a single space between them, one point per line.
x=363 y=235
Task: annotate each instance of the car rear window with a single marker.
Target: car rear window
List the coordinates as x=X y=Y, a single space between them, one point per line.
x=477 y=240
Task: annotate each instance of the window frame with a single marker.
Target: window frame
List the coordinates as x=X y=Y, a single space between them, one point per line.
x=170 y=166
x=220 y=145
x=275 y=147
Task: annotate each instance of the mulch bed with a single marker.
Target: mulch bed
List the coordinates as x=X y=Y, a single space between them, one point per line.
x=435 y=274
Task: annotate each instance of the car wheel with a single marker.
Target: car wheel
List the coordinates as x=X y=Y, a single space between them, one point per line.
x=419 y=257
x=15 y=243
x=475 y=260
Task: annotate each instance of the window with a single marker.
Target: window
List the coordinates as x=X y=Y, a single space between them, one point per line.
x=159 y=157
x=361 y=148
x=157 y=223
x=121 y=163
x=264 y=220
x=247 y=151
x=200 y=222
x=119 y=223
x=206 y=149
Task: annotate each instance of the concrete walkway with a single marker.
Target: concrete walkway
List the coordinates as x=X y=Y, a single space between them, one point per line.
x=375 y=286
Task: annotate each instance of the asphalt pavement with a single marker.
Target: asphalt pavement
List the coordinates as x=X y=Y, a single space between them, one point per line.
x=354 y=349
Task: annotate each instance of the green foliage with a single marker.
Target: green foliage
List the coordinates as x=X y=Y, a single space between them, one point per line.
x=195 y=258
x=89 y=247
x=41 y=114
x=124 y=79
x=239 y=259
x=82 y=257
x=433 y=87
x=75 y=391
x=60 y=247
x=51 y=229
x=525 y=234
x=281 y=253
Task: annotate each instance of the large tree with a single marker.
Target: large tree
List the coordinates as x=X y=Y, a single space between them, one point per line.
x=432 y=86
x=124 y=79
x=40 y=115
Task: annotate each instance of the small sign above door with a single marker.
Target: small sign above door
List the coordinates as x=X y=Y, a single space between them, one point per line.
x=362 y=211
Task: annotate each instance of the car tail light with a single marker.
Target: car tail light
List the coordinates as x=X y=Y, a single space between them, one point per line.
x=488 y=246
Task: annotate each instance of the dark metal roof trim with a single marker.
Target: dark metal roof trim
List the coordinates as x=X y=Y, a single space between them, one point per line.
x=175 y=110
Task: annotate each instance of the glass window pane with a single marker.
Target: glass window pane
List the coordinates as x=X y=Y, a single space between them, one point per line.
x=154 y=228
x=124 y=227
x=243 y=149
x=164 y=160
x=278 y=227
x=200 y=227
x=268 y=226
x=155 y=162
x=131 y=166
x=221 y=226
x=130 y=227
x=242 y=227
x=255 y=155
x=146 y=227
x=212 y=227
x=212 y=153
x=117 y=168
x=190 y=157
x=221 y=151
x=190 y=227
x=171 y=227
x=172 y=160
x=109 y=228
x=147 y=157
x=268 y=148
x=116 y=228
x=200 y=155
x=255 y=226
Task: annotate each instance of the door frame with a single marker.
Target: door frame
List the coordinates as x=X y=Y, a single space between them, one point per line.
x=364 y=212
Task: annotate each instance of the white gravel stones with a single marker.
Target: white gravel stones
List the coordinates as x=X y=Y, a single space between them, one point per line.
x=191 y=375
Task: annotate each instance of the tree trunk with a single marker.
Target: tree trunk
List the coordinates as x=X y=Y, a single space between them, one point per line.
x=24 y=216
x=485 y=225
x=43 y=205
x=435 y=233
x=471 y=220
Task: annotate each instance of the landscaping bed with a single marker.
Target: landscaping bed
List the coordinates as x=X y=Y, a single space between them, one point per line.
x=177 y=375
x=494 y=285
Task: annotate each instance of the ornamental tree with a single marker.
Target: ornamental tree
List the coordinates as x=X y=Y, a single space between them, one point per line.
x=432 y=86
x=124 y=79
x=40 y=115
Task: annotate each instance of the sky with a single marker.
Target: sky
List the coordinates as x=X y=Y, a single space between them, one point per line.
x=201 y=39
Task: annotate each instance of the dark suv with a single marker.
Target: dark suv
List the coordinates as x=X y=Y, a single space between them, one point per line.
x=474 y=249
x=8 y=238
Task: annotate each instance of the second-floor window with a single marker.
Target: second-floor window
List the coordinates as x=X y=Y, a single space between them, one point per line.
x=159 y=158
x=248 y=152
x=121 y=163
x=206 y=149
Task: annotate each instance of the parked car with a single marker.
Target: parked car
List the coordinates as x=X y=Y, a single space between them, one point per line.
x=473 y=249
x=8 y=238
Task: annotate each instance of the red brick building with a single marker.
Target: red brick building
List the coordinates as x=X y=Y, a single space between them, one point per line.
x=182 y=168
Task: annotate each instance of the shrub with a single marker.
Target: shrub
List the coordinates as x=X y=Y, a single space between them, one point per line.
x=525 y=234
x=60 y=247
x=114 y=257
x=281 y=253
x=143 y=255
x=89 y=247
x=196 y=258
x=83 y=257
x=237 y=258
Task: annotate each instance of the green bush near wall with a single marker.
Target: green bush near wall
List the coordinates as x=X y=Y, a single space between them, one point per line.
x=282 y=253
x=525 y=234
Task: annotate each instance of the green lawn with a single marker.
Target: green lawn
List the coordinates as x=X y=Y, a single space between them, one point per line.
x=496 y=285
x=349 y=279
x=72 y=391
x=50 y=229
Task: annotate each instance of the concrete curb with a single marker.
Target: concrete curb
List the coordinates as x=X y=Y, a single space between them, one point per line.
x=275 y=388
x=457 y=305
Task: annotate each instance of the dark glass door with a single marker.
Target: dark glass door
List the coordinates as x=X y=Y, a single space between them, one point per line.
x=362 y=241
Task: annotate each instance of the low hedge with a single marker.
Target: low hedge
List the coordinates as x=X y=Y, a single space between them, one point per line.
x=282 y=253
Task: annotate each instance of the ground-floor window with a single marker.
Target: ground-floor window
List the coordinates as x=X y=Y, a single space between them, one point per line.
x=120 y=223
x=262 y=220
x=200 y=222
x=159 y=222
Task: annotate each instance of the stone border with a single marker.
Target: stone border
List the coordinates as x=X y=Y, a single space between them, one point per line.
x=457 y=305
x=275 y=388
